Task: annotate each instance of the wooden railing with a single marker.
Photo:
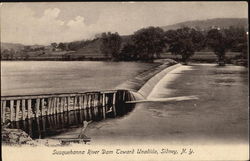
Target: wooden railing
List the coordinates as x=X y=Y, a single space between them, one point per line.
x=16 y=108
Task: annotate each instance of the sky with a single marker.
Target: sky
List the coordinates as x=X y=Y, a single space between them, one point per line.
x=47 y=22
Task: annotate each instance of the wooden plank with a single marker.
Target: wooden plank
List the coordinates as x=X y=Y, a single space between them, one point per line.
x=95 y=104
x=54 y=106
x=42 y=107
x=20 y=97
x=80 y=102
x=38 y=96
x=114 y=106
x=68 y=104
x=17 y=109
x=89 y=106
x=84 y=107
x=29 y=108
x=49 y=106
x=65 y=105
x=23 y=109
x=11 y=110
x=84 y=101
x=62 y=104
x=3 y=110
x=75 y=103
x=104 y=106
x=37 y=107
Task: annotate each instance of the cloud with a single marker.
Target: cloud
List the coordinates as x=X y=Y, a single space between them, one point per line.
x=52 y=13
x=20 y=25
x=43 y=23
x=78 y=21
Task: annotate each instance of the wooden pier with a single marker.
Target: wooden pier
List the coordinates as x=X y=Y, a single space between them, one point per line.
x=96 y=104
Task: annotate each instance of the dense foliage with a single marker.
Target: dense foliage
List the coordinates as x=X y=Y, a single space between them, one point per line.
x=148 y=44
x=184 y=42
x=220 y=41
x=110 y=44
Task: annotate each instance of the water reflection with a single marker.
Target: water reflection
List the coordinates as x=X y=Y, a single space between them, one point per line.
x=50 y=125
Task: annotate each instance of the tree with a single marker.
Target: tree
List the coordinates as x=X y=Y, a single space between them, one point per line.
x=62 y=46
x=54 y=46
x=237 y=38
x=184 y=42
x=110 y=44
x=149 y=42
x=128 y=52
x=220 y=43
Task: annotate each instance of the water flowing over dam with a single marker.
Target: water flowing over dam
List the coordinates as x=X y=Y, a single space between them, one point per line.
x=51 y=114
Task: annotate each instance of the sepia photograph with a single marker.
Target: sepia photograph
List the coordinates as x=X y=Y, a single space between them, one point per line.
x=128 y=81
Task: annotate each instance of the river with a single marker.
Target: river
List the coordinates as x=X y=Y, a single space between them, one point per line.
x=44 y=77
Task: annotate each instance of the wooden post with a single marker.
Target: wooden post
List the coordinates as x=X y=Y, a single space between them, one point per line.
x=96 y=104
x=29 y=109
x=53 y=103
x=23 y=110
x=17 y=109
x=80 y=102
x=114 y=107
x=75 y=103
x=55 y=106
x=89 y=106
x=49 y=106
x=85 y=107
x=42 y=107
x=68 y=104
x=104 y=105
x=65 y=107
x=62 y=105
x=37 y=107
x=3 y=110
x=11 y=110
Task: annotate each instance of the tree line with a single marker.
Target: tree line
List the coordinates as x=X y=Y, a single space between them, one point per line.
x=147 y=43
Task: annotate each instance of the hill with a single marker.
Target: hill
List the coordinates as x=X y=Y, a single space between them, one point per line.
x=92 y=50
x=9 y=46
x=207 y=24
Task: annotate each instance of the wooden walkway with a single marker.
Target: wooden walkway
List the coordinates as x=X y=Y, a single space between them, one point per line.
x=16 y=108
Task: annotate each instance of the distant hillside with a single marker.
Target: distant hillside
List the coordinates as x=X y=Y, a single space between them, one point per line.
x=9 y=46
x=92 y=49
x=207 y=24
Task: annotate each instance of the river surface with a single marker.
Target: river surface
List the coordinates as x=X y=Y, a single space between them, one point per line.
x=218 y=116
x=44 y=77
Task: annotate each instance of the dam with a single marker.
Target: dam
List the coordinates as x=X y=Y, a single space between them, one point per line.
x=42 y=115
